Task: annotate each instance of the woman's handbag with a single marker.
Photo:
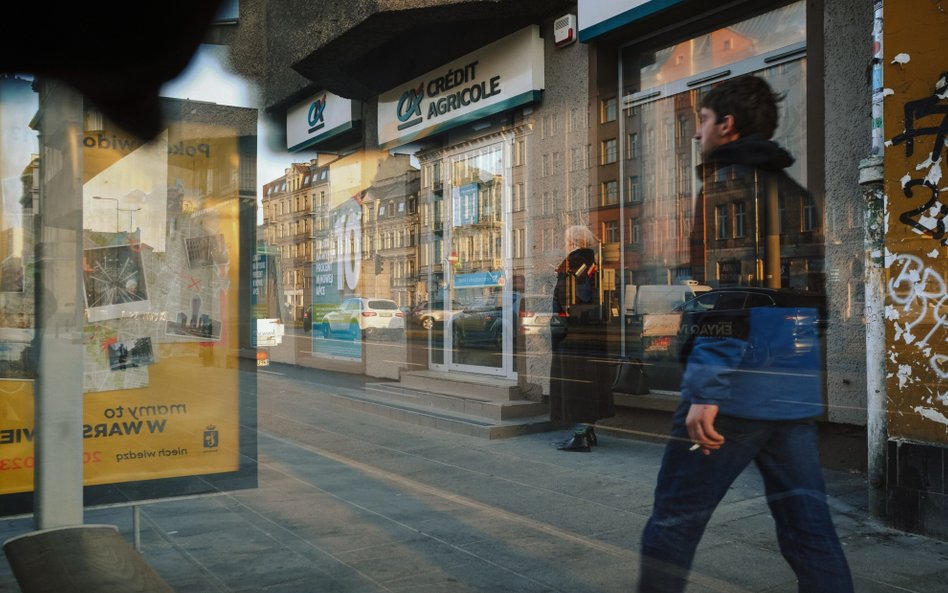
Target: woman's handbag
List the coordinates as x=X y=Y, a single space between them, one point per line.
x=630 y=378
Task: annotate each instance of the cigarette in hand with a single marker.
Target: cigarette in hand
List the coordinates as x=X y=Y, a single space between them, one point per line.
x=695 y=447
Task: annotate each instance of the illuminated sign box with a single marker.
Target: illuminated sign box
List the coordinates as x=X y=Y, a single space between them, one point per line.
x=320 y=118
x=597 y=17
x=500 y=76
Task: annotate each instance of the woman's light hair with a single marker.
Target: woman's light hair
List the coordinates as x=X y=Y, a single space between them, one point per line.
x=578 y=236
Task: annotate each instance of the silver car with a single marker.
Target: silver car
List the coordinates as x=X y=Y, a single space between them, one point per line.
x=538 y=315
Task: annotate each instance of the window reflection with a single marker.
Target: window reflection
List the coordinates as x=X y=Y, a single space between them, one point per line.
x=19 y=190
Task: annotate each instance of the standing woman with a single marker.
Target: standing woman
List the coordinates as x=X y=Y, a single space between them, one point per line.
x=580 y=374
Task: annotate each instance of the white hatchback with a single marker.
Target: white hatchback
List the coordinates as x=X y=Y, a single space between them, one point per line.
x=360 y=316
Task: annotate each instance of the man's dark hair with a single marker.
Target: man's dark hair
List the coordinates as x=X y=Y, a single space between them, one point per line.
x=751 y=102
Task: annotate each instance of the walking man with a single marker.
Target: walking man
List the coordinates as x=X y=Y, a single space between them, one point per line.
x=736 y=407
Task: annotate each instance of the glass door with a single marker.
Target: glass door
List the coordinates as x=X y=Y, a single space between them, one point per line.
x=477 y=303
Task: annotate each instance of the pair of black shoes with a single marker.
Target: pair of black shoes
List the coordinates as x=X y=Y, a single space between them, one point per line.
x=583 y=440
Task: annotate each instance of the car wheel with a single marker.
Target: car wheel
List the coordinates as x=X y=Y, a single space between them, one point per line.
x=427 y=323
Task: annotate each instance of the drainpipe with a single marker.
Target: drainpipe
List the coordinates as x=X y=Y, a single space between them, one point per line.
x=870 y=177
x=871 y=173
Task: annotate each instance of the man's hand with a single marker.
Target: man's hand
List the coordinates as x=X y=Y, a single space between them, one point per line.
x=700 y=424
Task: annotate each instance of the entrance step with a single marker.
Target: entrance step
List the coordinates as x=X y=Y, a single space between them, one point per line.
x=458 y=414
x=481 y=387
x=458 y=404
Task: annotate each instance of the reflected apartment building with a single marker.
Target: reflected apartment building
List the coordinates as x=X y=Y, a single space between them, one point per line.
x=295 y=226
x=301 y=225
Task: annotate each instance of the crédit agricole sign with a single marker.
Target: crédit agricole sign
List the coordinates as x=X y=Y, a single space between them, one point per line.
x=505 y=74
x=318 y=119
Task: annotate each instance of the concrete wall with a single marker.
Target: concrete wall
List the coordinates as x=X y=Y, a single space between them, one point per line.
x=847 y=26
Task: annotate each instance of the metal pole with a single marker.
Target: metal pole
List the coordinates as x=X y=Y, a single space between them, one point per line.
x=871 y=175
x=137 y=526
x=59 y=314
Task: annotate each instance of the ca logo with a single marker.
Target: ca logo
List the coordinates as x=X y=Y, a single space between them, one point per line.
x=409 y=106
x=315 y=115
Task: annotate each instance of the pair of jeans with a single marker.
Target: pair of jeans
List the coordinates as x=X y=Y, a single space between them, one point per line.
x=691 y=484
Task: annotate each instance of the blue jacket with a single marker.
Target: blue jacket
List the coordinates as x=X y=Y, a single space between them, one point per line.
x=762 y=365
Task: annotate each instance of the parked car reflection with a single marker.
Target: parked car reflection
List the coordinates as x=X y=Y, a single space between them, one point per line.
x=361 y=317
x=430 y=314
x=541 y=314
x=781 y=327
x=480 y=323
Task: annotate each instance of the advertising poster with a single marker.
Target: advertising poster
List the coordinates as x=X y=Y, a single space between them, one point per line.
x=337 y=274
x=162 y=276
x=334 y=279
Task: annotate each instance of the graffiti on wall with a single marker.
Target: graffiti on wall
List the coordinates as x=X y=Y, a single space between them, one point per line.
x=927 y=218
x=917 y=290
x=918 y=311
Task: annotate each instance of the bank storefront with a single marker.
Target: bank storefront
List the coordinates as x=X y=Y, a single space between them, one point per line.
x=457 y=122
x=432 y=225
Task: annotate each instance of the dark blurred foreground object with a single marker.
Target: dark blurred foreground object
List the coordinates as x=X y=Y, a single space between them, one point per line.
x=82 y=559
x=117 y=57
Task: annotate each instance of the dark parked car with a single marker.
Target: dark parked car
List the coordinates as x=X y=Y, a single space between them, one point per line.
x=780 y=326
x=431 y=314
x=479 y=323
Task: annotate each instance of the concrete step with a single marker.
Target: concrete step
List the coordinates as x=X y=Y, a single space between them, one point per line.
x=458 y=404
x=395 y=402
x=461 y=384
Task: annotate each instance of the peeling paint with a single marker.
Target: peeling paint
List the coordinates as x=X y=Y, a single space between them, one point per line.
x=908 y=336
x=887 y=92
x=934 y=174
x=905 y=374
x=916 y=121
x=931 y=414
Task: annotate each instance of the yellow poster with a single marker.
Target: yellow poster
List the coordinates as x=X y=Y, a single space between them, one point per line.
x=161 y=279
x=179 y=426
